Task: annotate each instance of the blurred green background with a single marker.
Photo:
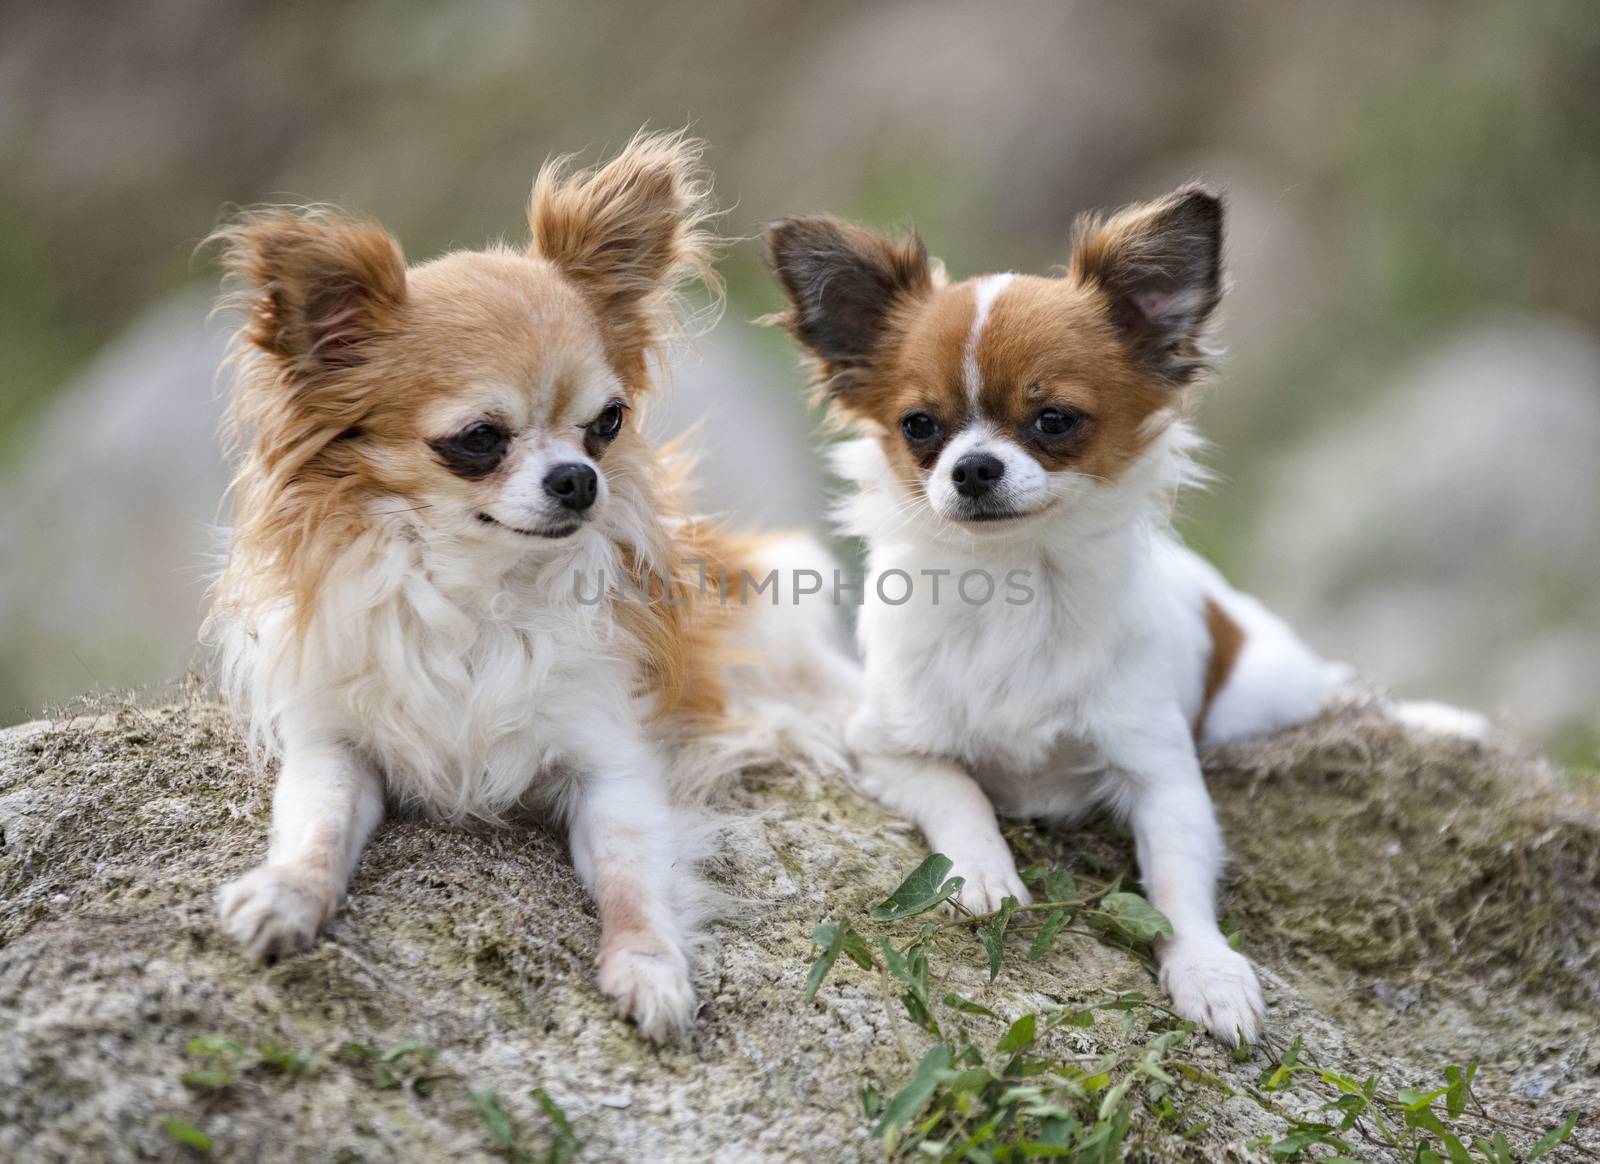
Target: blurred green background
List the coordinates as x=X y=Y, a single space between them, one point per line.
x=1407 y=423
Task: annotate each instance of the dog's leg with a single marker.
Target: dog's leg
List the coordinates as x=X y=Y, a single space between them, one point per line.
x=327 y=802
x=625 y=852
x=954 y=815
x=1159 y=785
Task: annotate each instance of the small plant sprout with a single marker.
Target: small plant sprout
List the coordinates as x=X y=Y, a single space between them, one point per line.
x=989 y=1089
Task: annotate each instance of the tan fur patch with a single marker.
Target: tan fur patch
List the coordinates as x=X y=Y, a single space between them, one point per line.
x=1227 y=640
x=1046 y=343
x=629 y=234
x=921 y=373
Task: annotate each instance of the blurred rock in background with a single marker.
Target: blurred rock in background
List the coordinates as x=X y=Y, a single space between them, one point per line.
x=109 y=503
x=1445 y=535
x=1404 y=427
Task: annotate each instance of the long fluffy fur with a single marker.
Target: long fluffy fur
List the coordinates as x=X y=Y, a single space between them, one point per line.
x=397 y=630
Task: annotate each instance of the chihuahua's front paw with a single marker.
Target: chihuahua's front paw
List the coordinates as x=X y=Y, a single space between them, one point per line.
x=650 y=985
x=274 y=910
x=1216 y=986
x=987 y=885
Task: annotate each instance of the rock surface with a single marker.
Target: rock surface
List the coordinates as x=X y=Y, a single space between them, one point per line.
x=1411 y=902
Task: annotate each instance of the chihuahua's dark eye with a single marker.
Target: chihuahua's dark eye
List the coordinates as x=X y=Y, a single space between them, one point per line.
x=475 y=451
x=1056 y=423
x=481 y=440
x=919 y=428
x=609 y=423
x=603 y=429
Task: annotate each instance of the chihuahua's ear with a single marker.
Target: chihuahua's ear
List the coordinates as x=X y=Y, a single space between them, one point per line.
x=844 y=284
x=1160 y=268
x=317 y=288
x=629 y=234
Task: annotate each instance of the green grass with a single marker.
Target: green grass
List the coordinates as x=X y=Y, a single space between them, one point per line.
x=989 y=1089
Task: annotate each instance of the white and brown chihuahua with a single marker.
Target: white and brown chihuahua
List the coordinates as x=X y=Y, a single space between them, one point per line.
x=1023 y=443
x=459 y=580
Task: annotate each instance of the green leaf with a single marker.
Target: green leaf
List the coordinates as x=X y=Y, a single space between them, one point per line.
x=186 y=1134
x=906 y=1103
x=282 y=1060
x=410 y=1047
x=1305 y=1136
x=1460 y=1089
x=916 y=1004
x=895 y=962
x=857 y=950
x=1112 y=1099
x=1056 y=1131
x=1345 y=1083
x=829 y=937
x=1295 y=1143
x=1496 y=1150
x=1055 y=1137
x=1233 y=934
x=564 y=1144
x=206 y=1080
x=1104 y=1144
x=973 y=1079
x=993 y=936
x=1413 y=1101
x=1554 y=1137
x=493 y=1116
x=928 y=885
x=1045 y=938
x=912 y=969
x=1426 y=1119
x=871 y=1101
x=1277 y=1078
x=211 y=1045
x=966 y=1006
x=1020 y=1037
x=1135 y=918
x=1054 y=881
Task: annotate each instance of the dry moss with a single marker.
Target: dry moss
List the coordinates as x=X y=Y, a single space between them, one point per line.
x=1389 y=854
x=1459 y=882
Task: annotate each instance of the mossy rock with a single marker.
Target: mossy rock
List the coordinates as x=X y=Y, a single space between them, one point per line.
x=1411 y=901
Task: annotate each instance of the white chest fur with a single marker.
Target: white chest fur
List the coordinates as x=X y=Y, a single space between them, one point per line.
x=465 y=692
x=1086 y=621
x=1006 y=687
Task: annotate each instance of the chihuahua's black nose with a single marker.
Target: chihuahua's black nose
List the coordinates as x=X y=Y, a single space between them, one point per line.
x=573 y=485
x=976 y=473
